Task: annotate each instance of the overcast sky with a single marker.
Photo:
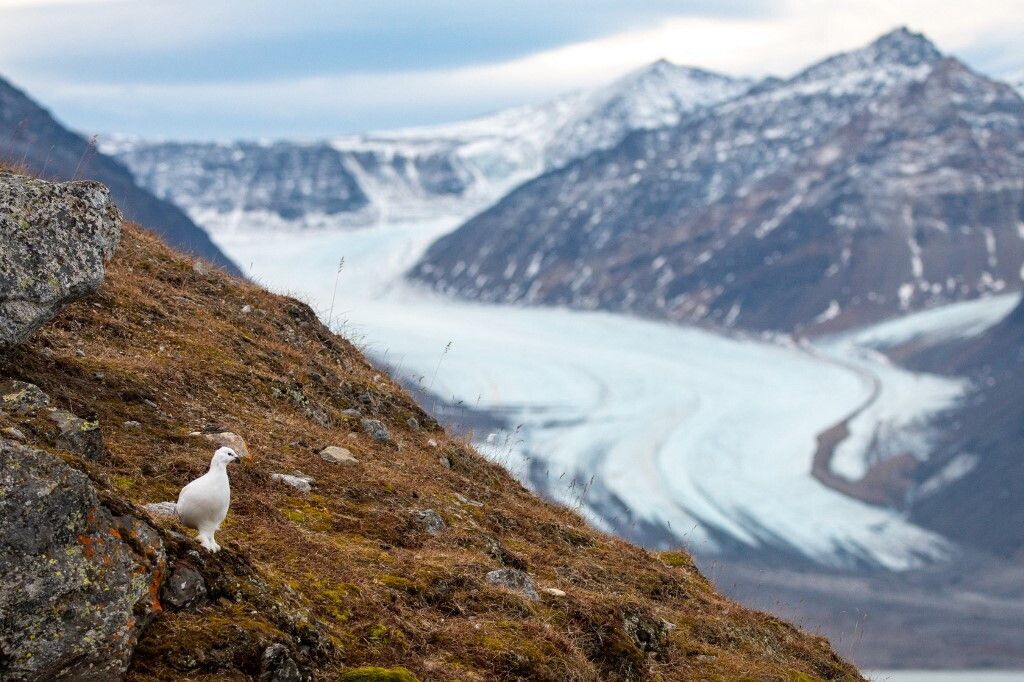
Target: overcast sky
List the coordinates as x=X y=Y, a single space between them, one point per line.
x=218 y=69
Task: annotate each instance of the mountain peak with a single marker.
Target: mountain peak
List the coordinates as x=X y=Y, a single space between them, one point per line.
x=906 y=47
x=899 y=49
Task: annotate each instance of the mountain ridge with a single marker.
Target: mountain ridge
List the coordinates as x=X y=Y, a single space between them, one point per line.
x=412 y=174
x=769 y=210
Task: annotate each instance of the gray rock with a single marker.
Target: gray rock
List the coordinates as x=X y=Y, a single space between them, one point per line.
x=55 y=240
x=21 y=398
x=515 y=580
x=462 y=499
x=376 y=430
x=227 y=439
x=75 y=578
x=413 y=423
x=430 y=520
x=350 y=412
x=132 y=424
x=337 y=455
x=185 y=586
x=301 y=483
x=80 y=436
x=649 y=633
x=277 y=665
x=162 y=509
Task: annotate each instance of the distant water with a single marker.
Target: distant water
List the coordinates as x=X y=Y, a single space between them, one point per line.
x=946 y=676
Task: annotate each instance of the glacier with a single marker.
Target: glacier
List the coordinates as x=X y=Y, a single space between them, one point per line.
x=640 y=425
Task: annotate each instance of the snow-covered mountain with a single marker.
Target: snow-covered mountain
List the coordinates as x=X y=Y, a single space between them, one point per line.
x=876 y=182
x=412 y=174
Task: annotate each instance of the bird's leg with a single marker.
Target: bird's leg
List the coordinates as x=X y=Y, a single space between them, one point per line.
x=207 y=541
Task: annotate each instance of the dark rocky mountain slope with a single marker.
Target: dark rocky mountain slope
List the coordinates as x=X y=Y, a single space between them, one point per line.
x=875 y=182
x=970 y=487
x=31 y=138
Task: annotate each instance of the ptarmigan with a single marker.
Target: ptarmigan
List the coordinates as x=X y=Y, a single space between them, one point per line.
x=203 y=503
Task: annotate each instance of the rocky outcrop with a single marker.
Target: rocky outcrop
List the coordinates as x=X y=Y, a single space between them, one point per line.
x=78 y=582
x=55 y=239
x=515 y=580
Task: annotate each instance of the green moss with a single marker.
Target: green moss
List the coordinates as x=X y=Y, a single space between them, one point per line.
x=676 y=559
x=381 y=635
x=311 y=517
x=375 y=674
x=123 y=482
x=397 y=582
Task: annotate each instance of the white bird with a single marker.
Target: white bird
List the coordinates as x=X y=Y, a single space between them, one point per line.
x=203 y=503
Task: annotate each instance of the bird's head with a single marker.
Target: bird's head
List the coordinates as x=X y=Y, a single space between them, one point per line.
x=225 y=456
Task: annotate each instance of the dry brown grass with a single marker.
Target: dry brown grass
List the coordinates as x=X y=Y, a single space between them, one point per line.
x=171 y=348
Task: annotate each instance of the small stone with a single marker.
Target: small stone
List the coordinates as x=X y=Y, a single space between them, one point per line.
x=185 y=586
x=337 y=455
x=22 y=398
x=81 y=436
x=79 y=352
x=132 y=424
x=465 y=500
x=553 y=591
x=13 y=433
x=376 y=430
x=352 y=435
x=166 y=510
x=515 y=580
x=302 y=484
x=246 y=309
x=432 y=443
x=649 y=634
x=225 y=439
x=445 y=462
x=430 y=520
x=413 y=423
x=277 y=665
x=350 y=412
x=99 y=376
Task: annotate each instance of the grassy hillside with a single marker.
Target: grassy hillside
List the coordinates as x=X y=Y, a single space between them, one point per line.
x=349 y=575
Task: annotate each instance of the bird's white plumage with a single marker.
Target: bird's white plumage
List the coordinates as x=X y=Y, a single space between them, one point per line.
x=203 y=503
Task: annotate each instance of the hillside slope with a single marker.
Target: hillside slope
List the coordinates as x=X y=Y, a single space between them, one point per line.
x=33 y=139
x=359 y=571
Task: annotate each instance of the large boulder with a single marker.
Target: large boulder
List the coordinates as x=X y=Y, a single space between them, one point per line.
x=55 y=239
x=78 y=582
